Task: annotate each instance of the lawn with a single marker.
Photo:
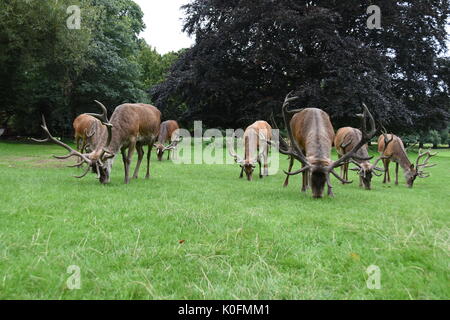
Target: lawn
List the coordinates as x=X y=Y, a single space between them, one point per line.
x=197 y=231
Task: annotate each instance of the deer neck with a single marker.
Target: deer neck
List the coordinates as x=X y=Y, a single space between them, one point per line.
x=403 y=161
x=163 y=134
x=116 y=140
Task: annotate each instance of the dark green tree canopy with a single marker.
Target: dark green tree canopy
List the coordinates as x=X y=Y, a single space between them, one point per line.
x=249 y=54
x=48 y=68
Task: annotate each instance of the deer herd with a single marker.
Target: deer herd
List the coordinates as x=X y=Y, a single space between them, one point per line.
x=311 y=137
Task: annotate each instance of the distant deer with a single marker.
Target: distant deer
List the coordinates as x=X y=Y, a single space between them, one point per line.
x=395 y=151
x=256 y=149
x=82 y=126
x=344 y=141
x=165 y=135
x=311 y=134
x=132 y=126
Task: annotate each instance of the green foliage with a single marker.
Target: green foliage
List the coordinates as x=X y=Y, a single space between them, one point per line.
x=155 y=66
x=434 y=138
x=242 y=240
x=445 y=136
x=47 y=68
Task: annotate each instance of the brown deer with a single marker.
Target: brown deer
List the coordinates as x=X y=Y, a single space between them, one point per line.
x=395 y=151
x=132 y=126
x=344 y=141
x=311 y=134
x=256 y=151
x=82 y=126
x=165 y=135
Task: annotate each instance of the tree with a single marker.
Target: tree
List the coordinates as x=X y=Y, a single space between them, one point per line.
x=249 y=54
x=47 y=68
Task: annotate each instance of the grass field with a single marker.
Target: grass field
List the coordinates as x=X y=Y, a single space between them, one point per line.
x=197 y=231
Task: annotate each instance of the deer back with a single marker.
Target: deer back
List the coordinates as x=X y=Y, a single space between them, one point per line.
x=138 y=122
x=395 y=149
x=83 y=124
x=252 y=135
x=166 y=130
x=313 y=132
x=348 y=137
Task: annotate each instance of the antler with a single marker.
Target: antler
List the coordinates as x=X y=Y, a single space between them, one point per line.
x=174 y=144
x=282 y=144
x=419 y=167
x=72 y=152
x=365 y=137
x=104 y=119
x=293 y=150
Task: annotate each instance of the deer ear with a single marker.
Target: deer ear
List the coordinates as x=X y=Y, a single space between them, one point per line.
x=412 y=167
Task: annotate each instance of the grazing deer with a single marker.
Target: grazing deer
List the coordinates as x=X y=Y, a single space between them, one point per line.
x=82 y=126
x=165 y=135
x=395 y=151
x=344 y=141
x=256 y=151
x=132 y=126
x=311 y=134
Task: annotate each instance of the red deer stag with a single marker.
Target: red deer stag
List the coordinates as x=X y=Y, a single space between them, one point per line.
x=256 y=151
x=311 y=134
x=132 y=126
x=344 y=141
x=165 y=135
x=82 y=126
x=395 y=151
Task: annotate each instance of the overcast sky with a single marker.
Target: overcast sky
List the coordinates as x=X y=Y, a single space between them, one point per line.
x=163 y=21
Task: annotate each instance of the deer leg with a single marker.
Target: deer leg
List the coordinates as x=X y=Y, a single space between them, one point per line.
x=345 y=171
x=77 y=140
x=386 y=168
x=260 y=170
x=168 y=154
x=128 y=161
x=242 y=173
x=174 y=154
x=124 y=159
x=291 y=163
x=149 y=155
x=360 y=181
x=266 y=162
x=83 y=145
x=140 y=151
x=396 y=173
x=388 y=173
x=330 y=187
x=305 y=177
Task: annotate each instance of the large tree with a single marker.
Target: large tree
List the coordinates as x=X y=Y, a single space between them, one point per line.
x=249 y=54
x=45 y=67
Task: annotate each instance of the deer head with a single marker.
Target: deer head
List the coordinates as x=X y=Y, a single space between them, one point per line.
x=417 y=170
x=248 y=165
x=160 y=148
x=98 y=160
x=320 y=170
x=366 y=170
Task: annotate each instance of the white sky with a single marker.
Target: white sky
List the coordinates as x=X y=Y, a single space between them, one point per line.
x=163 y=19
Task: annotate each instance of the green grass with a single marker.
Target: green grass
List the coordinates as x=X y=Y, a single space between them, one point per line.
x=243 y=240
